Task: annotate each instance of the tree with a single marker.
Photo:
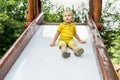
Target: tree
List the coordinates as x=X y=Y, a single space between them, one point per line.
x=111 y=29
x=12 y=16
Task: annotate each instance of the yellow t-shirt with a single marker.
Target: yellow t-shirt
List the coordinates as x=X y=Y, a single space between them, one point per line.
x=67 y=31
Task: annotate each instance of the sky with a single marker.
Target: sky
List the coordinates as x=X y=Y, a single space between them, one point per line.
x=69 y=3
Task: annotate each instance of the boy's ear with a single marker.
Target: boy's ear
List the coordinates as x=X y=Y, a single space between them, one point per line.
x=73 y=19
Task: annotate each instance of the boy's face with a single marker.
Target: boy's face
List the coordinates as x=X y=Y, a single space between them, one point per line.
x=67 y=17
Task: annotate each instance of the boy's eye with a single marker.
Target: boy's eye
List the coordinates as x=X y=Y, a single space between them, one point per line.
x=68 y=15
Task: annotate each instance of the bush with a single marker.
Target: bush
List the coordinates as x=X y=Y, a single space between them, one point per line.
x=12 y=16
x=111 y=29
x=10 y=30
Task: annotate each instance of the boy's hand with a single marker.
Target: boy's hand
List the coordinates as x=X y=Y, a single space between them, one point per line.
x=52 y=44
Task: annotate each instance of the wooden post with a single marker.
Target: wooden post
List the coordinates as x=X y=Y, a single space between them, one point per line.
x=95 y=7
x=39 y=9
x=37 y=6
x=34 y=8
x=30 y=12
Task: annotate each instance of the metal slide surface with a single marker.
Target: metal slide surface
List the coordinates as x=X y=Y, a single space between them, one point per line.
x=39 y=61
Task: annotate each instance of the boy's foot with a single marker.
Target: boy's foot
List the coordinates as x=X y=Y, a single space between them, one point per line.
x=78 y=52
x=65 y=54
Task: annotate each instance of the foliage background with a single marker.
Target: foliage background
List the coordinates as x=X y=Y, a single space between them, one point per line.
x=111 y=29
x=12 y=17
x=53 y=12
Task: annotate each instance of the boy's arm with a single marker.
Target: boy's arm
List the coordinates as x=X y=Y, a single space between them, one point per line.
x=78 y=38
x=55 y=38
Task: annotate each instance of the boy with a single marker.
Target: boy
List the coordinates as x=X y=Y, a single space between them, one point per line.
x=66 y=31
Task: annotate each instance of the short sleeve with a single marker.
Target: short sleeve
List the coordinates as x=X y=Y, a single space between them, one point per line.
x=75 y=30
x=59 y=28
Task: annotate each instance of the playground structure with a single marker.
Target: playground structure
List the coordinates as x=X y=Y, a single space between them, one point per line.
x=95 y=7
x=35 y=18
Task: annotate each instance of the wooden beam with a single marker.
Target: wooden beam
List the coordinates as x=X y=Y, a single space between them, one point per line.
x=95 y=8
x=106 y=68
x=34 y=9
x=30 y=12
x=37 y=7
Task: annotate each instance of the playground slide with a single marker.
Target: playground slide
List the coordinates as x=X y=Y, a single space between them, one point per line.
x=39 y=61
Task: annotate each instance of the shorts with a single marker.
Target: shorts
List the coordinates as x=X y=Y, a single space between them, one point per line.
x=66 y=42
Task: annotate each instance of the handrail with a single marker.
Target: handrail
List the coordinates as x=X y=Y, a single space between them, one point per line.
x=106 y=68
x=13 y=53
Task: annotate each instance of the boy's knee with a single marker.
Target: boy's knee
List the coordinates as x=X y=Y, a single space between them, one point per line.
x=71 y=43
x=62 y=44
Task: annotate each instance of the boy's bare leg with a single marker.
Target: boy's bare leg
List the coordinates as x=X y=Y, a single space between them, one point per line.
x=63 y=47
x=77 y=51
x=73 y=47
x=65 y=54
